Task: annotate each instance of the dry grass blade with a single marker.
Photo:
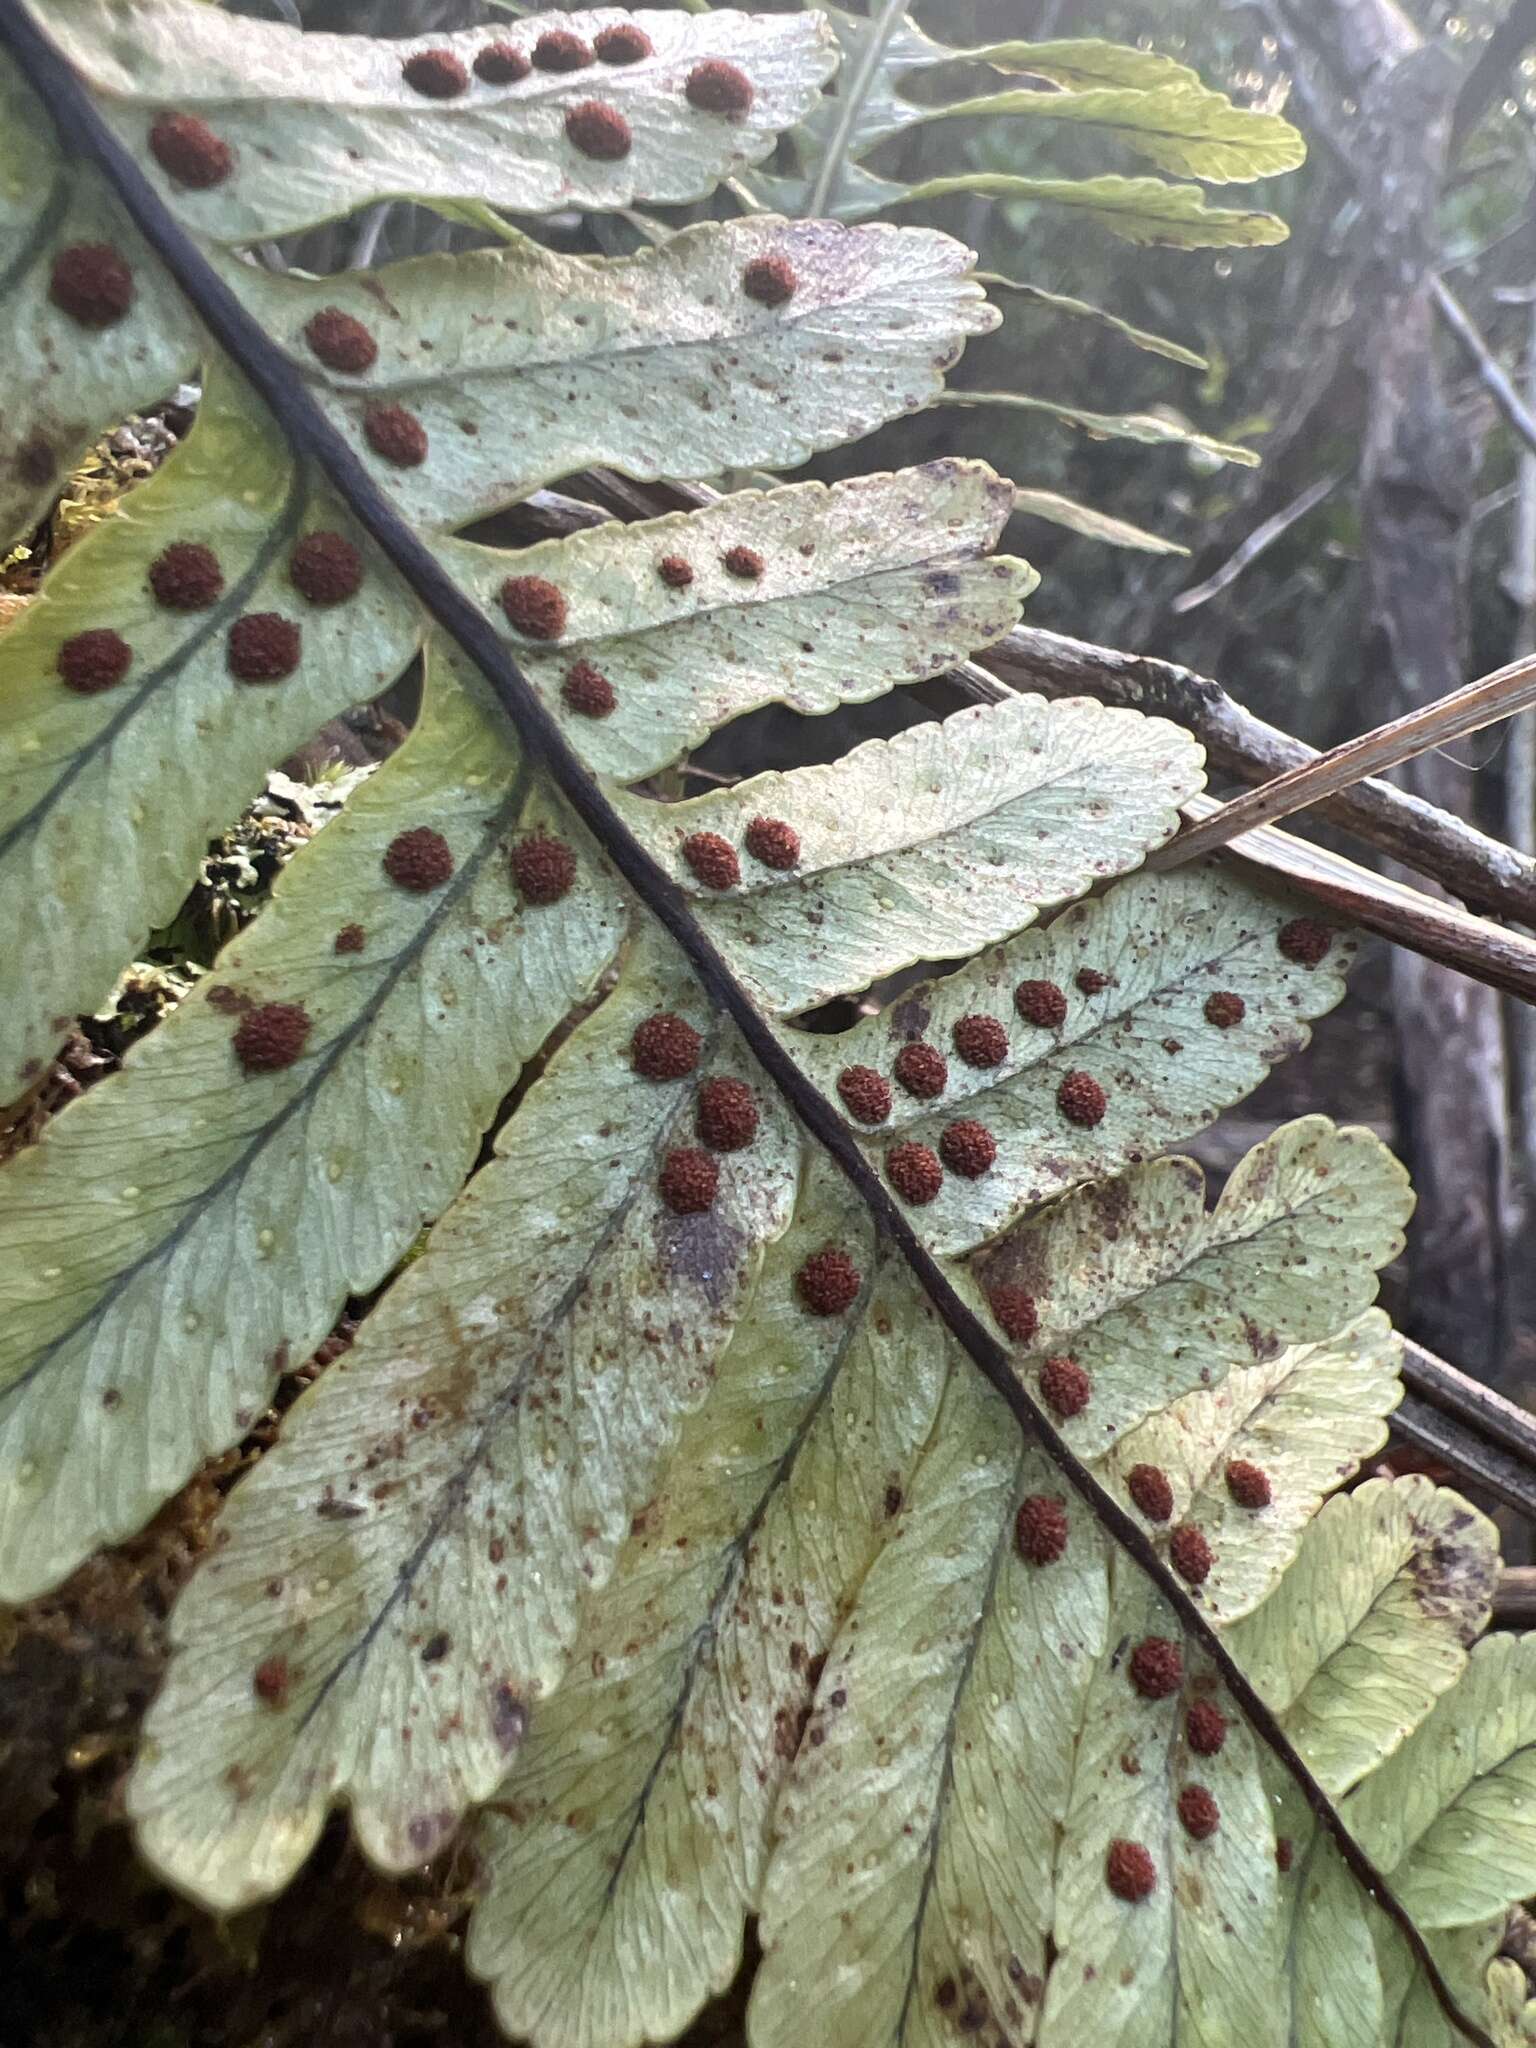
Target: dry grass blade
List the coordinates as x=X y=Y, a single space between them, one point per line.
x=1491 y=698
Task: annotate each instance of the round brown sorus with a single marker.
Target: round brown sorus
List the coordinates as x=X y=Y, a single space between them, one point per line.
x=1248 y=1484
x=1090 y=981
x=562 y=50
x=269 y=1682
x=1040 y=1528
x=599 y=132
x=587 y=691
x=712 y=859
x=350 y=939
x=689 y=1181
x=1015 y=1311
x=263 y=647
x=271 y=1036
x=501 y=64
x=1156 y=1668
x=675 y=572
x=980 y=1041
x=396 y=435
x=326 y=568
x=770 y=280
x=1149 y=1488
x=828 y=1282
x=715 y=87
x=1224 y=1009
x=626 y=42
x=1065 y=1387
x=746 y=563
x=187 y=150
x=665 y=1047
x=1129 y=1871
x=866 y=1094
x=726 y=1115
x=921 y=1069
x=1199 y=1812
x=1304 y=940
x=91 y=283
x=543 y=868
x=1042 y=1003
x=419 y=860
x=1205 y=1728
x=914 y=1172
x=95 y=660
x=968 y=1148
x=438 y=74
x=1081 y=1100
x=774 y=843
x=340 y=341
x=534 y=606
x=1190 y=1554
x=186 y=577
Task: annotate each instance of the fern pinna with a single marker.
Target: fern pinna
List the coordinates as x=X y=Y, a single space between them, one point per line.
x=659 y=1528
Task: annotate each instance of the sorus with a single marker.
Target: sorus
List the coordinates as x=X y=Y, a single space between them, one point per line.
x=715 y=87
x=726 y=1116
x=980 y=1041
x=922 y=1070
x=1015 y=1311
x=187 y=150
x=438 y=74
x=866 y=1094
x=598 y=131
x=1040 y=1529
x=543 y=868
x=186 y=576
x=271 y=1036
x=325 y=568
x=689 y=1181
x=770 y=280
x=828 y=1282
x=1081 y=1100
x=1156 y=1668
x=1042 y=1003
x=1065 y=1387
x=501 y=64
x=1129 y=1871
x=914 y=1172
x=712 y=859
x=419 y=860
x=340 y=341
x=534 y=607
x=665 y=1047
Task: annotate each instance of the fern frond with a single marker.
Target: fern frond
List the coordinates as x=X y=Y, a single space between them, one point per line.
x=409 y=1562
x=947 y=837
x=1370 y=1624
x=195 y=1224
x=318 y=125
x=664 y=1413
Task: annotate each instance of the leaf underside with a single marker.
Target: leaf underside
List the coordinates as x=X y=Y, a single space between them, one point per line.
x=654 y=1512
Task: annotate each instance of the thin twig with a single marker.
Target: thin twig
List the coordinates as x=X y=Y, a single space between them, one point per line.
x=1495 y=378
x=1467 y=710
x=1486 y=874
x=313 y=436
x=1262 y=537
x=851 y=93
